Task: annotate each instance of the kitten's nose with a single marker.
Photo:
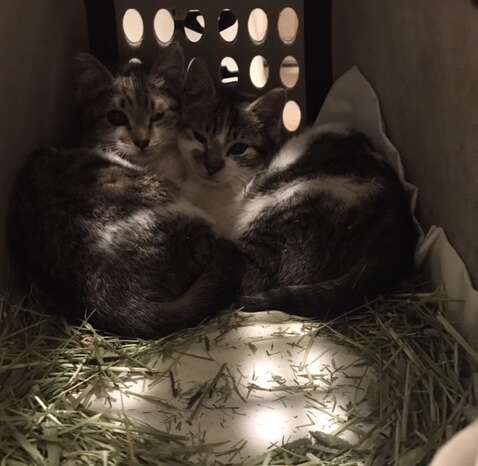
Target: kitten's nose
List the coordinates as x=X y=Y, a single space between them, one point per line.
x=213 y=167
x=141 y=143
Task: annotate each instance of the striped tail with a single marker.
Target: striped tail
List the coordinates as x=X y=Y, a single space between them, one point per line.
x=324 y=300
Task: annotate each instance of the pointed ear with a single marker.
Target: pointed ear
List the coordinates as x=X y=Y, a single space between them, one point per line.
x=199 y=86
x=199 y=96
x=268 y=109
x=168 y=70
x=92 y=76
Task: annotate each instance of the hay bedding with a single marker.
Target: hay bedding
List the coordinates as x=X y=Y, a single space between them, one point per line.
x=385 y=385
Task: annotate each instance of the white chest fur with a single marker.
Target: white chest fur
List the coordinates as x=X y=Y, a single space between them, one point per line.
x=222 y=203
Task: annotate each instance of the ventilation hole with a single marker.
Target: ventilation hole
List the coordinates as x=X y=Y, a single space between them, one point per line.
x=164 y=27
x=288 y=25
x=228 y=25
x=194 y=25
x=136 y=61
x=133 y=27
x=259 y=71
x=289 y=72
x=229 y=72
x=292 y=116
x=258 y=25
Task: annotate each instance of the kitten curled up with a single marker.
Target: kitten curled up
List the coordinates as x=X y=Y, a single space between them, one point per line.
x=101 y=234
x=322 y=221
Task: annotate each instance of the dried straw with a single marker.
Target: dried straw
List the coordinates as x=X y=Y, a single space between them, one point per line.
x=50 y=370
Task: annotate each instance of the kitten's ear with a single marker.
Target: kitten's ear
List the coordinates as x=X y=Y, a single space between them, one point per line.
x=92 y=76
x=168 y=70
x=199 y=88
x=268 y=109
x=199 y=83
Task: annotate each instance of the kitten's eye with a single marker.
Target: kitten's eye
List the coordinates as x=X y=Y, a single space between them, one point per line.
x=238 y=148
x=117 y=118
x=157 y=117
x=200 y=137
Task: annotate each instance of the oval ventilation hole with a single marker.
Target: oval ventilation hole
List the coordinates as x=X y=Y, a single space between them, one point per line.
x=289 y=72
x=164 y=27
x=229 y=72
x=133 y=27
x=288 y=25
x=292 y=116
x=194 y=25
x=259 y=71
x=228 y=25
x=258 y=25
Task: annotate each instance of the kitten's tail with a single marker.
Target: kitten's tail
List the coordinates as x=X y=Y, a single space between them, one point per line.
x=324 y=300
x=213 y=290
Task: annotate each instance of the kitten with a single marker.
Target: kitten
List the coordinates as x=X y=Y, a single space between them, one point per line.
x=102 y=236
x=324 y=228
x=134 y=115
x=225 y=139
x=322 y=225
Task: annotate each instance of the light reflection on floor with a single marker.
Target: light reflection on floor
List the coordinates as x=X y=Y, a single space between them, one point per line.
x=278 y=381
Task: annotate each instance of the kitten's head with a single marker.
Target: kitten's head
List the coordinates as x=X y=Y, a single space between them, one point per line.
x=226 y=138
x=134 y=113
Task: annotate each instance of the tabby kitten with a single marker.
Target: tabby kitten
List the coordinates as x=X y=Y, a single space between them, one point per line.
x=103 y=237
x=322 y=225
x=225 y=139
x=134 y=115
x=325 y=227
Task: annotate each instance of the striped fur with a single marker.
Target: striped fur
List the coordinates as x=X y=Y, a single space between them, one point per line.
x=100 y=234
x=149 y=102
x=325 y=227
x=322 y=225
x=225 y=139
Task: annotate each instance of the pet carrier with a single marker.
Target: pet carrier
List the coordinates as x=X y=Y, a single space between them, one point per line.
x=388 y=386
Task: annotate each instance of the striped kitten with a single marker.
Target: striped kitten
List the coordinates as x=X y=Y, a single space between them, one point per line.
x=102 y=236
x=134 y=114
x=225 y=139
x=322 y=225
x=326 y=226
